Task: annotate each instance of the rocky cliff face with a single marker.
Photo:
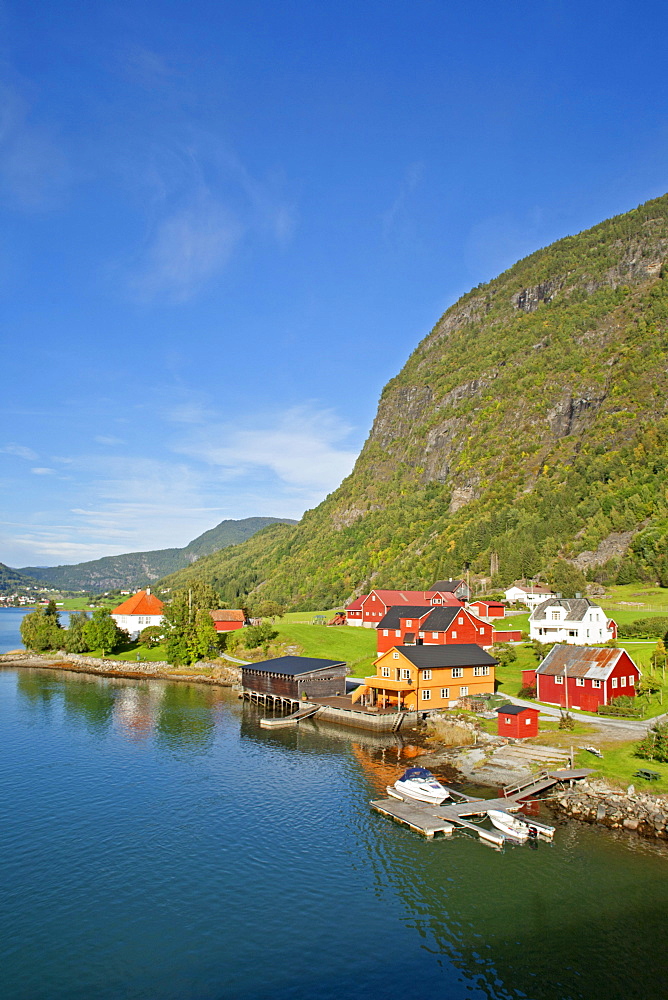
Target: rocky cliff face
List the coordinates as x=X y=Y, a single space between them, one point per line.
x=530 y=423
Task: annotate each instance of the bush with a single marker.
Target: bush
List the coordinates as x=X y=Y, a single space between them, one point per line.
x=655 y=627
x=622 y=706
x=527 y=692
x=654 y=746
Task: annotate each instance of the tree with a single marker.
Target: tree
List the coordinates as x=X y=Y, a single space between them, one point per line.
x=189 y=628
x=101 y=632
x=151 y=636
x=75 y=636
x=41 y=631
x=259 y=635
x=504 y=653
x=268 y=609
x=566 y=579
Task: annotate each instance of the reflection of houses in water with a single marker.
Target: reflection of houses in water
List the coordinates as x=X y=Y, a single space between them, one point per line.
x=136 y=710
x=382 y=766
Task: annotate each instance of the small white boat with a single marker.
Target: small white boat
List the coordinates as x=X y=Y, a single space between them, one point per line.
x=419 y=783
x=512 y=826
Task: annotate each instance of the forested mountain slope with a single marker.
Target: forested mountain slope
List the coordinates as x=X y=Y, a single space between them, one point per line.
x=137 y=569
x=529 y=424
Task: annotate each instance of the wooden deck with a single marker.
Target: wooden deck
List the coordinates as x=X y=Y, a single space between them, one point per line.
x=430 y=819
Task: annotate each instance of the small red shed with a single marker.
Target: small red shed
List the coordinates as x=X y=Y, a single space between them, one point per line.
x=227 y=620
x=517 y=721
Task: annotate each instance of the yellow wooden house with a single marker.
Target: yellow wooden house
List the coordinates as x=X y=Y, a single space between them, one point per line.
x=428 y=677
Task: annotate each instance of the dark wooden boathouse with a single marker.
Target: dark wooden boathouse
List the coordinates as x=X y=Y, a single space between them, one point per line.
x=295 y=677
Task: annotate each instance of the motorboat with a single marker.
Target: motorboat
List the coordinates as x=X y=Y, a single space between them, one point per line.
x=512 y=826
x=419 y=783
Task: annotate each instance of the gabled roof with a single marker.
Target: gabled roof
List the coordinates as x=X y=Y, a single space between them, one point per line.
x=405 y=597
x=490 y=604
x=141 y=603
x=464 y=654
x=228 y=615
x=293 y=665
x=536 y=588
x=356 y=605
x=576 y=608
x=435 y=619
x=445 y=586
x=582 y=661
x=515 y=709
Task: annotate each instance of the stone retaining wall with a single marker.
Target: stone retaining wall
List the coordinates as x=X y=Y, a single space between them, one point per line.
x=596 y=802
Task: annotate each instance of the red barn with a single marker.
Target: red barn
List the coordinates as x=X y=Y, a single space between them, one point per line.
x=376 y=604
x=227 y=621
x=517 y=721
x=508 y=635
x=423 y=625
x=488 y=609
x=354 y=610
x=585 y=676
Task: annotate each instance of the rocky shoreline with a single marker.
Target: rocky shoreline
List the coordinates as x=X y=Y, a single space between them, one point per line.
x=596 y=802
x=222 y=675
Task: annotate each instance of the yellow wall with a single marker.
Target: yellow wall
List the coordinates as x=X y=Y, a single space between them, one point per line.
x=441 y=677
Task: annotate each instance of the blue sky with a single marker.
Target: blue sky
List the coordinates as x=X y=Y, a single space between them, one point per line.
x=225 y=226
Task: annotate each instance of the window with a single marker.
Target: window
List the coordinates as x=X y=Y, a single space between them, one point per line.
x=614 y=682
x=480 y=671
x=421 y=635
x=596 y=684
x=463 y=691
x=460 y=621
x=425 y=694
x=437 y=600
x=445 y=692
x=527 y=722
x=454 y=635
x=555 y=616
x=385 y=672
x=384 y=631
x=434 y=635
x=409 y=622
x=395 y=656
x=558 y=679
x=457 y=671
x=405 y=673
x=507 y=720
x=426 y=675
x=398 y=633
x=572 y=633
x=579 y=682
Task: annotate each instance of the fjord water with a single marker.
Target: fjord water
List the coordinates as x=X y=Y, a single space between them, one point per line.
x=156 y=843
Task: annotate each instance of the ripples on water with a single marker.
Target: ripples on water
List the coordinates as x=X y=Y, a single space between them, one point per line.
x=157 y=843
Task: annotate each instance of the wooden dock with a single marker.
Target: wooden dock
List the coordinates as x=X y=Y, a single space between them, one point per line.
x=431 y=819
x=282 y=721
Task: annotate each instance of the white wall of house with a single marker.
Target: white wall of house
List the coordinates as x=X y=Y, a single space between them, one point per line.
x=554 y=628
x=525 y=597
x=134 y=624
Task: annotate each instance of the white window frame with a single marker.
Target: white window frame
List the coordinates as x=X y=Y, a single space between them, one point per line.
x=579 y=682
x=426 y=675
x=460 y=621
x=463 y=691
x=481 y=671
x=559 y=679
x=454 y=635
x=596 y=683
x=425 y=694
x=385 y=631
x=405 y=673
x=614 y=682
x=457 y=671
x=384 y=671
x=395 y=656
x=434 y=635
x=445 y=692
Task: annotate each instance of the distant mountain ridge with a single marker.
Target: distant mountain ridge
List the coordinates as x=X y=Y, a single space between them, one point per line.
x=530 y=424
x=138 y=569
x=12 y=580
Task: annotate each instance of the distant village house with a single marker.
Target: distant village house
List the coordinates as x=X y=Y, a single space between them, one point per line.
x=573 y=620
x=226 y=620
x=138 y=612
x=583 y=677
x=531 y=594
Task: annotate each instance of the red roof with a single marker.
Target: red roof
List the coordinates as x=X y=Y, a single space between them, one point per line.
x=392 y=598
x=356 y=605
x=141 y=603
x=227 y=615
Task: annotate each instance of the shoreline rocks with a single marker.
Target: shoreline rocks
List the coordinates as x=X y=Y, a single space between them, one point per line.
x=596 y=802
x=227 y=675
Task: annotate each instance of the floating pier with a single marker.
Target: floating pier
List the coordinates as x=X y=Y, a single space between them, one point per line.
x=282 y=721
x=431 y=819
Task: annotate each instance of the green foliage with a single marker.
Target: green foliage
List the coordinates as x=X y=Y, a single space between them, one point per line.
x=74 y=637
x=537 y=403
x=151 y=636
x=504 y=652
x=644 y=628
x=622 y=706
x=41 y=630
x=259 y=635
x=654 y=746
x=101 y=632
x=540 y=649
x=566 y=579
x=189 y=628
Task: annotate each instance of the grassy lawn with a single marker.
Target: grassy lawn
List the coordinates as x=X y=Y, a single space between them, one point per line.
x=634 y=600
x=357 y=646
x=619 y=765
x=152 y=655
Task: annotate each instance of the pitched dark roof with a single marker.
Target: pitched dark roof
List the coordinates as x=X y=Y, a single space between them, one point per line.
x=436 y=619
x=445 y=586
x=462 y=654
x=515 y=709
x=293 y=665
x=576 y=607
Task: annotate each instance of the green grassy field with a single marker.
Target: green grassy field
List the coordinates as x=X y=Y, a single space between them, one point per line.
x=619 y=766
x=357 y=646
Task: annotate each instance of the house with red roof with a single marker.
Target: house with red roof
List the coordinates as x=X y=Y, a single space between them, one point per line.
x=375 y=605
x=227 y=620
x=138 y=612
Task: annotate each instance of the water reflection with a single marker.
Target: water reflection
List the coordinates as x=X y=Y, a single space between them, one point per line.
x=185 y=718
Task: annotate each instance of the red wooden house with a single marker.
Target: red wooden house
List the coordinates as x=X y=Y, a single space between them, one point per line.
x=488 y=609
x=227 y=620
x=354 y=610
x=424 y=625
x=376 y=604
x=517 y=721
x=584 y=676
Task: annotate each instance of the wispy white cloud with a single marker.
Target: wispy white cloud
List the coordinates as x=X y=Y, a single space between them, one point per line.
x=20 y=451
x=33 y=167
x=187 y=248
x=42 y=471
